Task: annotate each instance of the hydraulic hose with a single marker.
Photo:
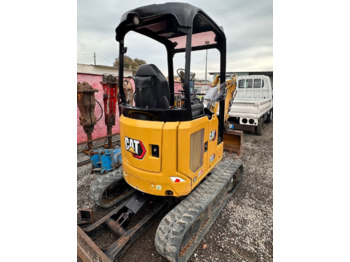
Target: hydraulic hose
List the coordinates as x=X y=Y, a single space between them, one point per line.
x=101 y=110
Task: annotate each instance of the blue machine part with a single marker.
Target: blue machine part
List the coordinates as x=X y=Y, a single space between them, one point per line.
x=191 y=87
x=105 y=160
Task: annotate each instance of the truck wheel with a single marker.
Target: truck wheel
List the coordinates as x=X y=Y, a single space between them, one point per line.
x=269 y=117
x=258 y=127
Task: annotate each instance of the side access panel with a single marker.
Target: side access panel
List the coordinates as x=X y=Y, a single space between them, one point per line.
x=191 y=157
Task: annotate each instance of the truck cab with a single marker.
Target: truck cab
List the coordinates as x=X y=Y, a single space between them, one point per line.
x=254 y=88
x=252 y=105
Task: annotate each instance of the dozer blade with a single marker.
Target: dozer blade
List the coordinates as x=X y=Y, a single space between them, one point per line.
x=233 y=140
x=184 y=227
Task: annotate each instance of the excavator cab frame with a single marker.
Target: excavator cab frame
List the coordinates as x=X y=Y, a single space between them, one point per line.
x=181 y=28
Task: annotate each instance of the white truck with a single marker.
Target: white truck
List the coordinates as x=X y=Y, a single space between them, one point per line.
x=252 y=104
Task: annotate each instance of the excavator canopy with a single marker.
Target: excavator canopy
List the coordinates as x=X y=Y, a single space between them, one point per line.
x=180 y=27
x=169 y=24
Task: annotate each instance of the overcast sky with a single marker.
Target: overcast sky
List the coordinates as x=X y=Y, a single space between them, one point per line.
x=247 y=24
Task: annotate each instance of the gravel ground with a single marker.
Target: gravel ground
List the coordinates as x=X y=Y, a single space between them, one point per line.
x=244 y=229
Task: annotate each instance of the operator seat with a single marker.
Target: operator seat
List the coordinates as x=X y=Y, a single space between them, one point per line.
x=151 y=88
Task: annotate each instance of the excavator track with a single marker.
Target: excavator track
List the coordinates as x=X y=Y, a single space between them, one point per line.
x=183 y=228
x=110 y=189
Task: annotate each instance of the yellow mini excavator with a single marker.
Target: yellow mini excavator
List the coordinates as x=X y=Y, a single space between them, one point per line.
x=172 y=150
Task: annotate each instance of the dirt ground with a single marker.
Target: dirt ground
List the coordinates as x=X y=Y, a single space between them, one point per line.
x=244 y=229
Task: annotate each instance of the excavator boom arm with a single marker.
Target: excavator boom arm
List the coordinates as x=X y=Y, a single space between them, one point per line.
x=230 y=94
x=232 y=138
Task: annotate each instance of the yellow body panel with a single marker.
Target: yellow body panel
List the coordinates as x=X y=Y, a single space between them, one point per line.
x=152 y=174
x=138 y=130
x=213 y=147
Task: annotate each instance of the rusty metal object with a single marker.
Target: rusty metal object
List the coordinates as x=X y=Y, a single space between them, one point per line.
x=84 y=162
x=110 y=87
x=108 y=142
x=233 y=141
x=116 y=226
x=128 y=91
x=85 y=216
x=116 y=221
x=87 y=250
x=86 y=105
x=117 y=249
x=97 y=139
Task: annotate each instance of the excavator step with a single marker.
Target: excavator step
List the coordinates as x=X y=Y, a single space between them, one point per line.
x=183 y=228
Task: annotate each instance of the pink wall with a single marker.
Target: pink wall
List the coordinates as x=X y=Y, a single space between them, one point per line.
x=100 y=129
x=177 y=86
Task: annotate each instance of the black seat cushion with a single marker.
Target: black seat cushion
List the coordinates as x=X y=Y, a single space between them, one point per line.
x=197 y=109
x=151 y=88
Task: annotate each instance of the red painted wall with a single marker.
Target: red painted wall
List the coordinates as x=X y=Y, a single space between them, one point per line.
x=100 y=129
